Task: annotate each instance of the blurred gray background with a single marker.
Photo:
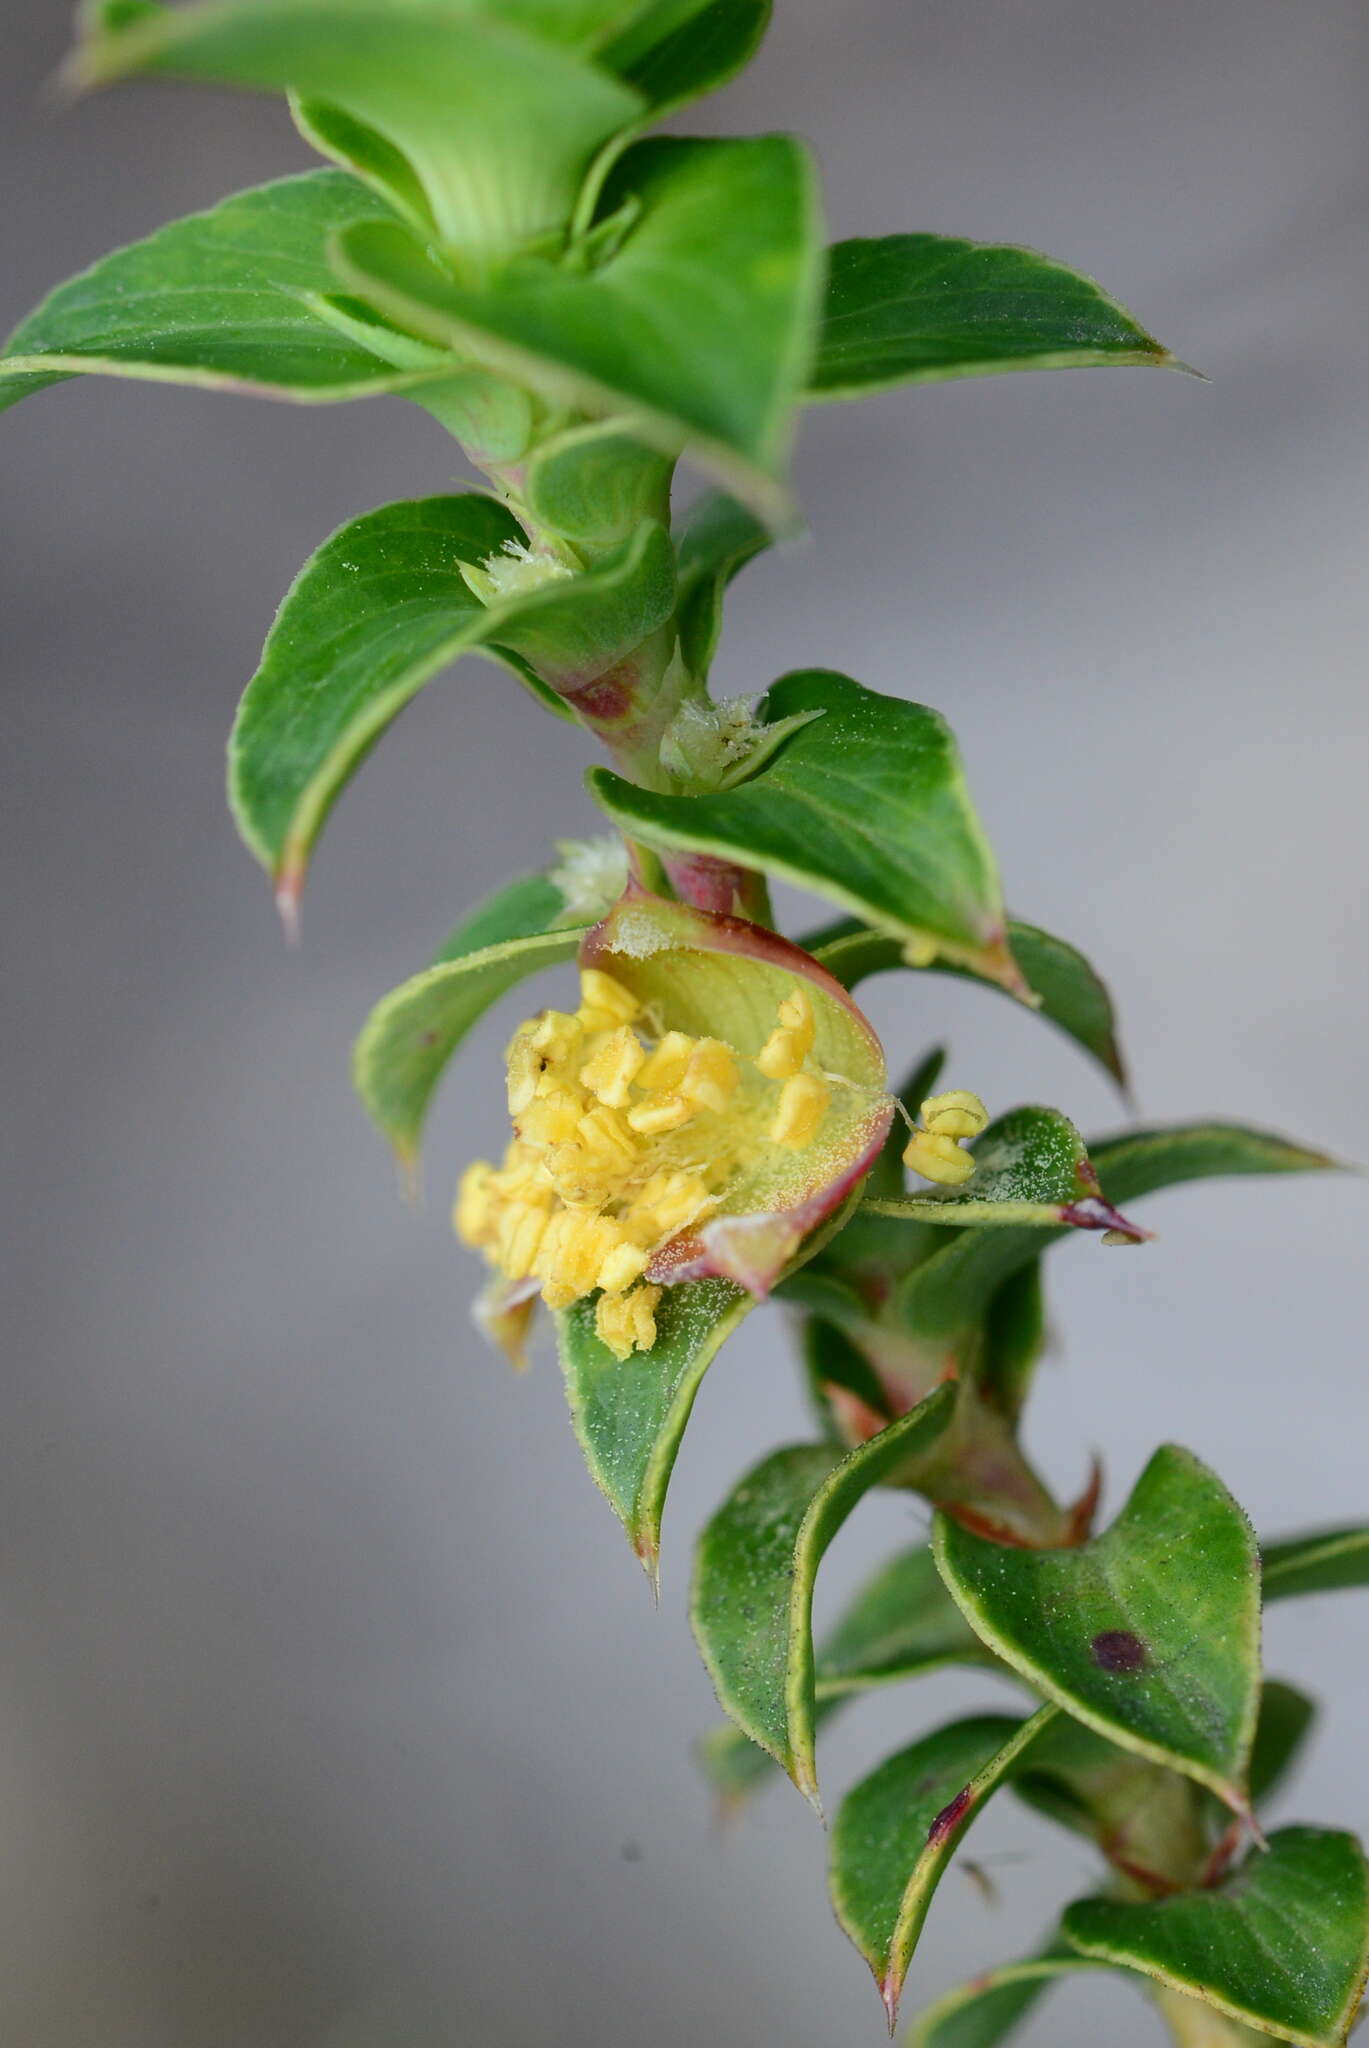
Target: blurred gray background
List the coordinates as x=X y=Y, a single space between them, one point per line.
x=333 y=1711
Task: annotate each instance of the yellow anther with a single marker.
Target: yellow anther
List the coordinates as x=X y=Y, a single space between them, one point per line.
x=938 y=1158
x=524 y=1070
x=552 y=1119
x=627 y=1322
x=604 y=1002
x=474 y=1215
x=957 y=1114
x=582 y=1246
x=781 y=1056
x=659 y=1114
x=520 y=1235
x=796 y=1015
x=710 y=1080
x=557 y=1038
x=624 y=1264
x=613 y=1068
x=665 y=1068
x=667 y=1203
x=802 y=1106
x=605 y=1137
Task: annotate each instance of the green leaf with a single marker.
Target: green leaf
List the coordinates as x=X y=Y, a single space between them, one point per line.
x=1283 y=1945
x=718 y=539
x=901 y=1624
x=897 y=1830
x=985 y=2011
x=219 y=300
x=867 y=806
x=681 y=49
x=1150 y=1634
x=381 y=609
x=1015 y=1336
x=699 y=325
x=918 y=309
x=1328 y=1561
x=1030 y=1167
x=1066 y=987
x=755 y=1565
x=1286 y=1717
x=596 y=485
x=630 y=1415
x=951 y=1289
x=493 y=109
x=411 y=1035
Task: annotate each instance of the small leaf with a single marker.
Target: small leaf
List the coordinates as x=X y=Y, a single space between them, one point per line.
x=718 y=539
x=722 y=259
x=436 y=83
x=1066 y=987
x=220 y=301
x=901 y=1624
x=951 y=1289
x=867 y=806
x=1328 y=1561
x=596 y=485
x=523 y=909
x=1150 y=1634
x=681 y=49
x=754 y=1572
x=1283 y=1945
x=918 y=309
x=985 y=2011
x=411 y=1035
x=630 y=1415
x=1030 y=1167
x=897 y=1830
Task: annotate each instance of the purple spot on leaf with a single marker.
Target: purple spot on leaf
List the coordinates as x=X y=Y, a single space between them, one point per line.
x=1118 y=1650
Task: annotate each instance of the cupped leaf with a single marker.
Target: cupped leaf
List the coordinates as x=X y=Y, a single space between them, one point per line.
x=1327 y=1561
x=1030 y=1167
x=699 y=324
x=595 y=485
x=630 y=1414
x=918 y=309
x=866 y=805
x=495 y=110
x=985 y=2011
x=678 y=50
x=219 y=300
x=1150 y=1634
x=1282 y=1945
x=1148 y=1821
x=950 y=1290
x=900 y=1624
x=413 y=1032
x=1064 y=986
x=754 y=1571
x=719 y=537
x=381 y=609
x=897 y=1830
x=711 y=976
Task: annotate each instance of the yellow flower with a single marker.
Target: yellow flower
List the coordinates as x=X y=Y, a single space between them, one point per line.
x=647 y=1151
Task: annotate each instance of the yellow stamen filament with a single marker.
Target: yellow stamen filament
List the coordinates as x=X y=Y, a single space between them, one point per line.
x=624 y=1139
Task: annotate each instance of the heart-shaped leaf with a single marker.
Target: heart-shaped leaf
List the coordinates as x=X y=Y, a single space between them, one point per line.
x=1282 y=1945
x=918 y=309
x=950 y=1290
x=1328 y=1561
x=1030 y=1167
x=901 y=1623
x=381 y=609
x=1065 y=987
x=436 y=82
x=866 y=805
x=721 y=257
x=755 y=1568
x=1149 y=1634
x=220 y=300
x=630 y=1414
x=985 y=2011
x=897 y=1830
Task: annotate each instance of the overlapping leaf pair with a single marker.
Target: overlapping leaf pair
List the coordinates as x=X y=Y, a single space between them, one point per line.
x=706 y=1116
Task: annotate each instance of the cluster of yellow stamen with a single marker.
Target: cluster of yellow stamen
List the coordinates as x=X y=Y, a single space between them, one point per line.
x=934 y=1150
x=626 y=1135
